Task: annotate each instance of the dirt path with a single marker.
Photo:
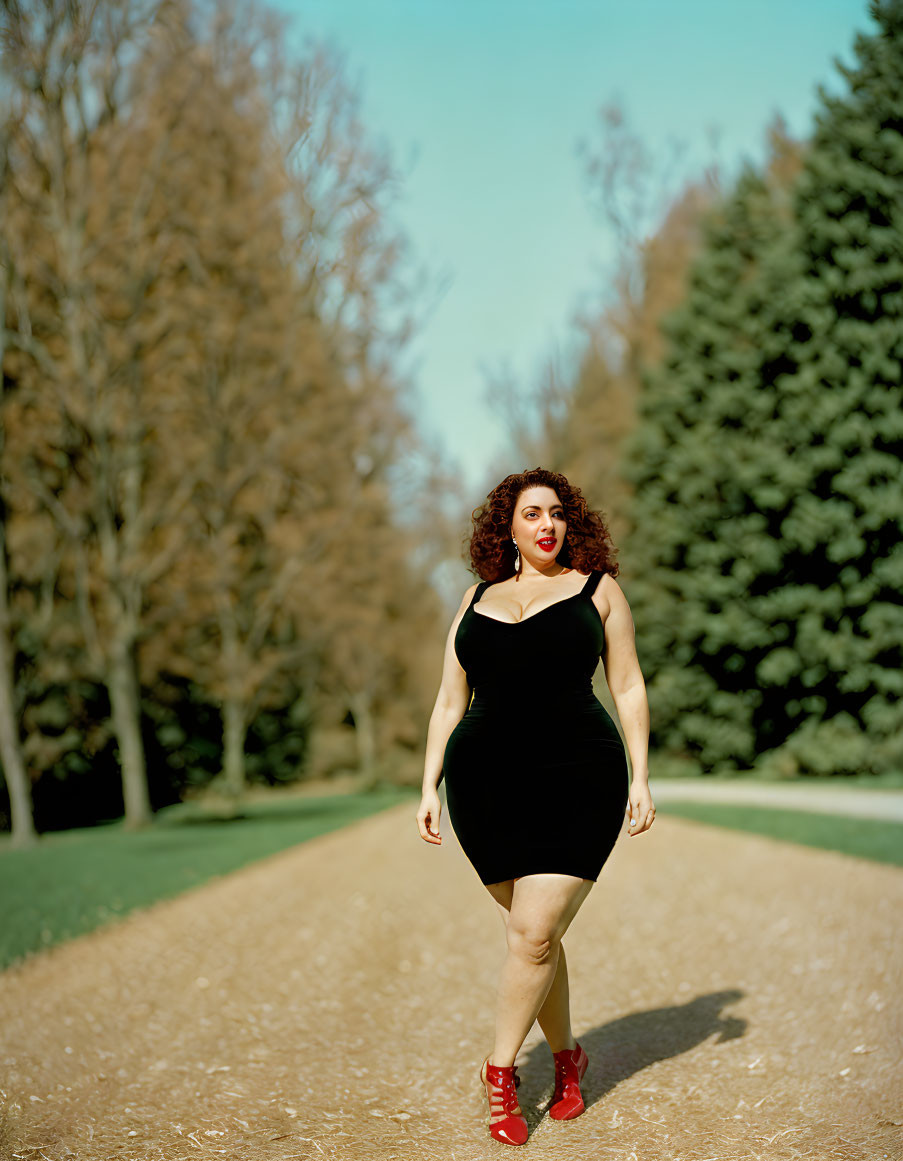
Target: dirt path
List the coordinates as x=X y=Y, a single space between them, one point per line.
x=739 y=998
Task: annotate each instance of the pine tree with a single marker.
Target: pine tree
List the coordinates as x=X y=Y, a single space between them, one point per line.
x=697 y=540
x=767 y=467
x=839 y=675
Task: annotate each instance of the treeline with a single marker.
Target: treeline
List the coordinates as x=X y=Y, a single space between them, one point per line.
x=203 y=572
x=739 y=411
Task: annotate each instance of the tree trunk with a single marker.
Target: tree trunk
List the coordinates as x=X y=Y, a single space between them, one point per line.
x=17 y=781
x=234 y=731
x=233 y=706
x=365 y=733
x=122 y=683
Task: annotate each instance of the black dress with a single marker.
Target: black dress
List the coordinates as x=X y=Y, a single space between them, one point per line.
x=535 y=772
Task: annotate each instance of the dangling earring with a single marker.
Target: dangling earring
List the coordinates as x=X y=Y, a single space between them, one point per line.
x=516 y=555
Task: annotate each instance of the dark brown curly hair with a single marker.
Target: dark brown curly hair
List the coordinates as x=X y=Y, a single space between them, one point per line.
x=587 y=544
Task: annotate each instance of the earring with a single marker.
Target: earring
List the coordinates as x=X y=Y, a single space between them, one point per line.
x=516 y=555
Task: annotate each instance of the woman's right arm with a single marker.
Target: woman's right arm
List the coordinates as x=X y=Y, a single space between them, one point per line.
x=451 y=705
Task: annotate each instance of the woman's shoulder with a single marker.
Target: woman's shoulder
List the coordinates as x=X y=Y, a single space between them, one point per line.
x=608 y=589
x=470 y=593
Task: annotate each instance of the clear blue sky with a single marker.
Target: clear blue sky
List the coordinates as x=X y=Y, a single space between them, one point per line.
x=482 y=103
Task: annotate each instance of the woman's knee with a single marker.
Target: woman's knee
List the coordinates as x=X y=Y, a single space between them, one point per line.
x=535 y=942
x=542 y=908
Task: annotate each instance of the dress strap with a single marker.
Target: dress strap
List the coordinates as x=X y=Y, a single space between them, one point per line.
x=478 y=592
x=591 y=582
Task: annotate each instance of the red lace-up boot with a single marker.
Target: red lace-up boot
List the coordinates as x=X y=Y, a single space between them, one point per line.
x=567 y=1101
x=501 y=1084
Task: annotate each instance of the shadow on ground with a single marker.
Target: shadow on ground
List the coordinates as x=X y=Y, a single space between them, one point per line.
x=626 y=1046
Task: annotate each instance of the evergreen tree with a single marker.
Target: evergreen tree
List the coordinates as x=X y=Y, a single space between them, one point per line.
x=838 y=584
x=767 y=468
x=697 y=540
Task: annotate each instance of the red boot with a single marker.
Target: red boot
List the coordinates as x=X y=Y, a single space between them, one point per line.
x=505 y=1124
x=567 y=1101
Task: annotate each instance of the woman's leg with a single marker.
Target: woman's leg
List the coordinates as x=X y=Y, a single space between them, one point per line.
x=555 y=1014
x=542 y=907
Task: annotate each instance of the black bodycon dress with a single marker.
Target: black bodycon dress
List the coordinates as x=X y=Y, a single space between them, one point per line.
x=535 y=772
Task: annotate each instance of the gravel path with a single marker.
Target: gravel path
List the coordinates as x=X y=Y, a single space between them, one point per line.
x=739 y=998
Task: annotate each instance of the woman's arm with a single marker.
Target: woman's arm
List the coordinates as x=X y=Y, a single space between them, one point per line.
x=452 y=701
x=628 y=689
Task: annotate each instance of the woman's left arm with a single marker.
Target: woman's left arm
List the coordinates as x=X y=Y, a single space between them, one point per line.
x=628 y=689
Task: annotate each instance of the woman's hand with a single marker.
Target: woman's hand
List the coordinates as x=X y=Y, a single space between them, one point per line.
x=428 y=816
x=641 y=811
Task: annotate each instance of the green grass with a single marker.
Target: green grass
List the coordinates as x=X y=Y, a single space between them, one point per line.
x=74 y=881
x=867 y=838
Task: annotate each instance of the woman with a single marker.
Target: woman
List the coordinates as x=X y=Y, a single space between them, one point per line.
x=534 y=767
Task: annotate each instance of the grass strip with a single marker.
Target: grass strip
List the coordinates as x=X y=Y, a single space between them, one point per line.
x=74 y=881
x=866 y=838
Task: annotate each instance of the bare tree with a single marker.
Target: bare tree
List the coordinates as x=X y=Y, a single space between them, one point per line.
x=210 y=399
x=293 y=398
x=82 y=236
x=17 y=780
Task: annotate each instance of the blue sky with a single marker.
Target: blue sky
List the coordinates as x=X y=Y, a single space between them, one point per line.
x=482 y=103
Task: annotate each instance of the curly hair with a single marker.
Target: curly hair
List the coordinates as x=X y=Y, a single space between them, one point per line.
x=587 y=544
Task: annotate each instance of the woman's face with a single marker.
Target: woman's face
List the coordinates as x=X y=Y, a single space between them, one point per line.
x=538 y=525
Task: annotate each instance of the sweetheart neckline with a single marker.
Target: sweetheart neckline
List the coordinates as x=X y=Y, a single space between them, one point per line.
x=563 y=601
